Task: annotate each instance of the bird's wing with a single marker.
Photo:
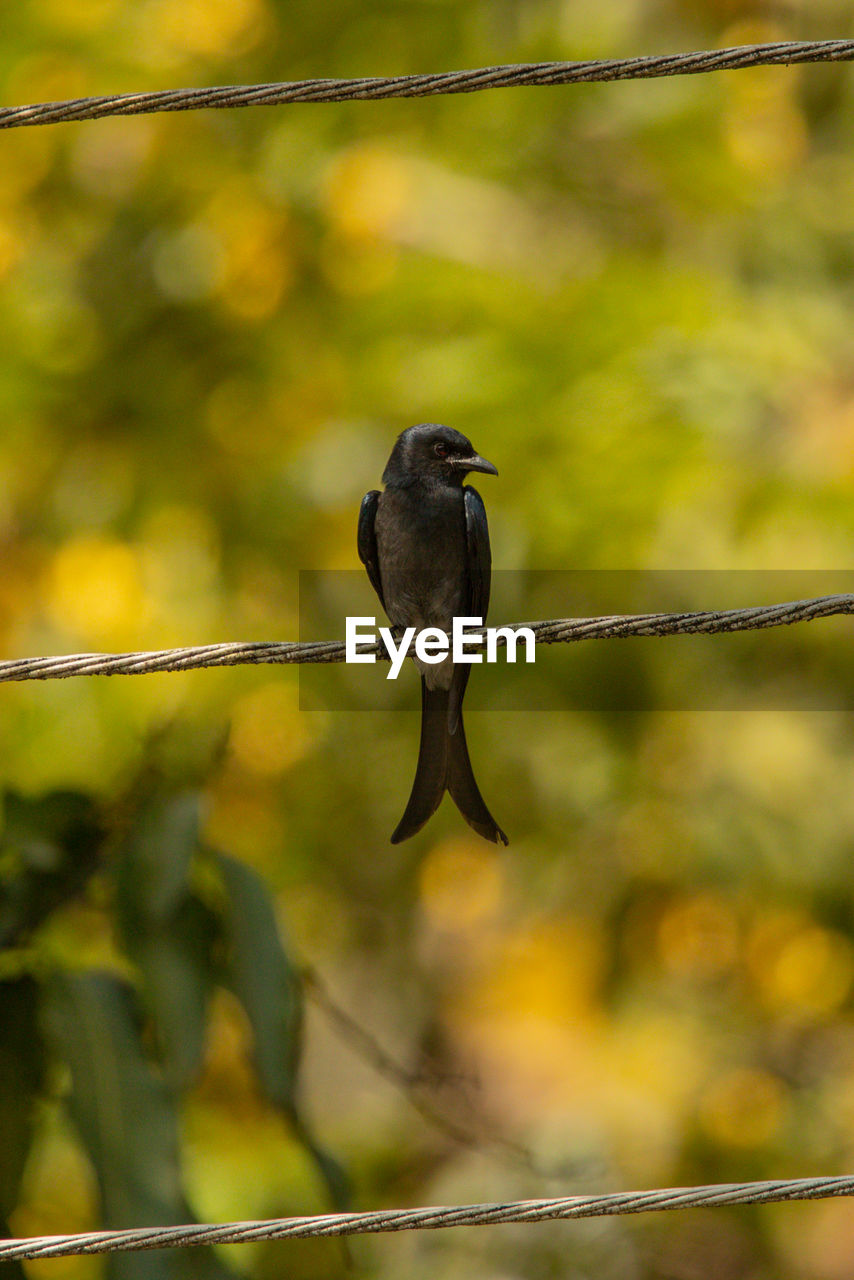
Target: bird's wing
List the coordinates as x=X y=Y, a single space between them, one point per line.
x=367 y=540
x=479 y=554
x=479 y=564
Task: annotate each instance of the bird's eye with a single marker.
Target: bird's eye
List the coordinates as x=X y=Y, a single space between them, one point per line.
x=440 y=449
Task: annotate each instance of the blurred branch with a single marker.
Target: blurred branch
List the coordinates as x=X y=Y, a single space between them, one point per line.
x=414 y=1084
x=557 y=631
x=432 y=1218
x=424 y=86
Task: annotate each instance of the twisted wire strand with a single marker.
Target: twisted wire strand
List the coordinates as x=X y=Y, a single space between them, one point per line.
x=556 y=631
x=430 y=85
x=432 y=1218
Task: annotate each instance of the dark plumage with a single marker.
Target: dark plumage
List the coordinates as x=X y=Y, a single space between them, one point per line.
x=425 y=544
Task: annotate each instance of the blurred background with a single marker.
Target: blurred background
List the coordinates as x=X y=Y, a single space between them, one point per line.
x=636 y=300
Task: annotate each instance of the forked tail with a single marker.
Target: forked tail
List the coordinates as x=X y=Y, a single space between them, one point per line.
x=444 y=765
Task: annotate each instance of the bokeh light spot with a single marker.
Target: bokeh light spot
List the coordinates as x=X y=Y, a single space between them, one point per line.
x=268 y=731
x=744 y=1108
x=799 y=968
x=188 y=264
x=368 y=190
x=94 y=590
x=698 y=936
x=207 y=27
x=460 y=884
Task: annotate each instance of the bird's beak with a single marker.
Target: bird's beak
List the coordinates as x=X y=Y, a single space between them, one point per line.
x=477 y=463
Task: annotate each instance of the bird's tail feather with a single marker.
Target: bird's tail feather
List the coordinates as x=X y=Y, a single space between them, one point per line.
x=429 y=784
x=444 y=765
x=464 y=791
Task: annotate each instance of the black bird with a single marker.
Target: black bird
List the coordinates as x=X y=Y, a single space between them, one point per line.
x=425 y=544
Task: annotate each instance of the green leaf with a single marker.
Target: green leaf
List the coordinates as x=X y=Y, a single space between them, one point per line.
x=270 y=989
x=124 y=1113
x=63 y=819
x=175 y=964
x=54 y=845
x=263 y=979
x=166 y=931
x=125 y=1116
x=155 y=861
x=22 y=1063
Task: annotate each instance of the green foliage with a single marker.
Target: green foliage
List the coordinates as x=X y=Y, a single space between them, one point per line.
x=51 y=848
x=133 y=1049
x=22 y=1069
x=263 y=979
x=123 y=1112
x=262 y=976
x=167 y=930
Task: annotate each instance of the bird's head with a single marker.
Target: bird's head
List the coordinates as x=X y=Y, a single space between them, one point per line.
x=433 y=453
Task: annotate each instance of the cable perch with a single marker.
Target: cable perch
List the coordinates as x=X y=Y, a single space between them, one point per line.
x=556 y=631
x=646 y=67
x=431 y=1218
